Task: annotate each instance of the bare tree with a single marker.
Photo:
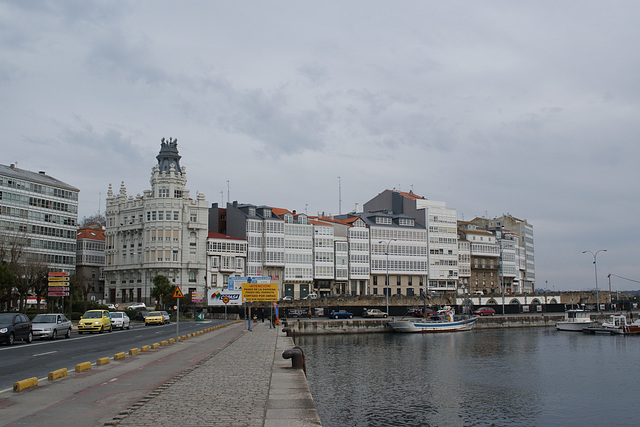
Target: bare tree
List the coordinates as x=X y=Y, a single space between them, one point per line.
x=30 y=274
x=95 y=221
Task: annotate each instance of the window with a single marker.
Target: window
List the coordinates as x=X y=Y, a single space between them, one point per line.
x=176 y=215
x=192 y=276
x=163 y=192
x=193 y=217
x=177 y=194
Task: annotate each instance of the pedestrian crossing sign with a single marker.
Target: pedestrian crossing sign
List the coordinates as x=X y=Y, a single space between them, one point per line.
x=178 y=293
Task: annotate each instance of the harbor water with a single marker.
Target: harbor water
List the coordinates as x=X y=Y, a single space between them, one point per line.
x=524 y=377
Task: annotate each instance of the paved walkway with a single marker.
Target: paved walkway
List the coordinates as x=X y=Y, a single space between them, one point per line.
x=245 y=383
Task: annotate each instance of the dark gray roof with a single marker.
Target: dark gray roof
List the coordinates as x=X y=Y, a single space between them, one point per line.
x=37 y=177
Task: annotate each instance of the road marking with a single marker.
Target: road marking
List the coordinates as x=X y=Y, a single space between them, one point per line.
x=42 y=354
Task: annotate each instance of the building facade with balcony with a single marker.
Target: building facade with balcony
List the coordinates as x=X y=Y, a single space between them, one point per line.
x=162 y=232
x=90 y=261
x=226 y=257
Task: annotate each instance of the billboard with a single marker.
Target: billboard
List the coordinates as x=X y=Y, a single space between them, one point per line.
x=235 y=283
x=225 y=297
x=260 y=292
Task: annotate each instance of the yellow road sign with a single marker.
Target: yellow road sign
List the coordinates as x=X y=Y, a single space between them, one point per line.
x=178 y=293
x=58 y=278
x=259 y=292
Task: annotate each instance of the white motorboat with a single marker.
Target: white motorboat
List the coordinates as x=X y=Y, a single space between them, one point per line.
x=443 y=321
x=575 y=321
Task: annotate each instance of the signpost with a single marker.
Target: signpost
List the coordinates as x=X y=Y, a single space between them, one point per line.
x=177 y=294
x=58 y=285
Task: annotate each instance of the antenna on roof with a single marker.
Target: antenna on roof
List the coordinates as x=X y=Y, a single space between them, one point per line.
x=339 y=196
x=228 y=191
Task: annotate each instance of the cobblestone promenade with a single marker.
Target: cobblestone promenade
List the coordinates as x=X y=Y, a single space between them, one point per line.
x=245 y=383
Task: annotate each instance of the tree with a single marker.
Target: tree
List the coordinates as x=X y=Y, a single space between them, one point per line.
x=7 y=280
x=163 y=290
x=30 y=274
x=95 y=221
x=82 y=284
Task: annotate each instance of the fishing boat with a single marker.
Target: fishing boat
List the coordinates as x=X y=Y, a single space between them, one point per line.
x=575 y=321
x=617 y=324
x=443 y=321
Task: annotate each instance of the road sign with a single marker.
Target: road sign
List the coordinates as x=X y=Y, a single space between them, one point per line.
x=260 y=292
x=225 y=300
x=58 y=279
x=57 y=289
x=178 y=293
x=58 y=274
x=58 y=294
x=115 y=305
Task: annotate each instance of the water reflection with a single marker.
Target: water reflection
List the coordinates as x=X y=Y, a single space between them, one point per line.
x=523 y=376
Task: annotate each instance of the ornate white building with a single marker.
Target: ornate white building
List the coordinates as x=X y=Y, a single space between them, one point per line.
x=162 y=232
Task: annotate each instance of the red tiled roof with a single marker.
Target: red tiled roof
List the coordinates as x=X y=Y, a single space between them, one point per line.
x=409 y=195
x=90 y=233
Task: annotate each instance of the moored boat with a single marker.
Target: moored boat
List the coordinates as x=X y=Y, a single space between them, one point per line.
x=617 y=324
x=575 y=320
x=443 y=321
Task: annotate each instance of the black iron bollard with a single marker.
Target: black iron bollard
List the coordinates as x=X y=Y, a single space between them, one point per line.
x=297 y=358
x=289 y=331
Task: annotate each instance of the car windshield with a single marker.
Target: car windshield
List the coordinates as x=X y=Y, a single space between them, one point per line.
x=6 y=317
x=93 y=315
x=155 y=313
x=116 y=315
x=44 y=318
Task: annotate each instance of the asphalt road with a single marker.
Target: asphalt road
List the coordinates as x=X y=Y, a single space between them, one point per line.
x=21 y=361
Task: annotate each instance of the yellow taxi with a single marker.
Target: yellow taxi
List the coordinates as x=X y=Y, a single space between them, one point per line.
x=154 y=318
x=95 y=321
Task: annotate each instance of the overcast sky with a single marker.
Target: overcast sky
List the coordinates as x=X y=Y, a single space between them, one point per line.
x=527 y=108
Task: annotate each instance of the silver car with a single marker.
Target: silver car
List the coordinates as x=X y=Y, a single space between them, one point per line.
x=51 y=326
x=119 y=319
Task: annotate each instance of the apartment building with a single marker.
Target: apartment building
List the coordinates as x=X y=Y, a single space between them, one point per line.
x=523 y=230
x=90 y=259
x=440 y=223
x=38 y=216
x=226 y=257
x=398 y=249
x=484 y=259
x=161 y=232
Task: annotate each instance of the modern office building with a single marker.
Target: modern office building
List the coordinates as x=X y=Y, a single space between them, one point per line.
x=161 y=232
x=38 y=218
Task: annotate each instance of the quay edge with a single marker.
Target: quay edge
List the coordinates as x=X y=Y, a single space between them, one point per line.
x=360 y=326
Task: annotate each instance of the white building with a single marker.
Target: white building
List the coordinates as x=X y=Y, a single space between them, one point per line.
x=162 y=232
x=41 y=212
x=226 y=257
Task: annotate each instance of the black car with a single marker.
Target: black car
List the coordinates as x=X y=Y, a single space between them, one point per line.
x=140 y=315
x=15 y=326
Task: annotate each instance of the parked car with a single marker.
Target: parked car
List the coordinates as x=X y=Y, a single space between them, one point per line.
x=95 y=321
x=51 y=325
x=15 y=326
x=111 y=306
x=140 y=315
x=167 y=318
x=154 y=318
x=485 y=311
x=373 y=312
x=137 y=306
x=287 y=298
x=120 y=319
x=341 y=314
x=421 y=312
x=311 y=295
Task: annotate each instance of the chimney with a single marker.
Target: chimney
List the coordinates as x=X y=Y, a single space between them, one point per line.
x=41 y=172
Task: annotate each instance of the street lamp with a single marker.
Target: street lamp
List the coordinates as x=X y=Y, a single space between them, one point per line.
x=595 y=267
x=386 y=291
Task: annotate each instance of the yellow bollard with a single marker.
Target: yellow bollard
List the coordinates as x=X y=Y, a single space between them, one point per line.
x=19 y=386
x=163 y=343
x=103 y=361
x=57 y=374
x=84 y=366
x=119 y=356
x=133 y=351
x=155 y=345
x=144 y=348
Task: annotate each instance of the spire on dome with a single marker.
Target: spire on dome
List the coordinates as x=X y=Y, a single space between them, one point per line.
x=169 y=156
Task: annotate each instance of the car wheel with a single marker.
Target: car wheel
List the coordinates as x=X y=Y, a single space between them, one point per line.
x=110 y=328
x=29 y=337
x=68 y=334
x=101 y=329
x=54 y=335
x=80 y=332
x=129 y=326
x=12 y=338
x=385 y=316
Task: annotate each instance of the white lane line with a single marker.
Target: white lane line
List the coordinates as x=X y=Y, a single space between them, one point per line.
x=42 y=354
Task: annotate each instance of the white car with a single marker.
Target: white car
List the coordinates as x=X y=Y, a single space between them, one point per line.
x=119 y=319
x=312 y=295
x=287 y=298
x=137 y=305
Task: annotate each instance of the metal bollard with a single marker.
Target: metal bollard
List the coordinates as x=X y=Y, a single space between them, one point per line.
x=297 y=358
x=289 y=331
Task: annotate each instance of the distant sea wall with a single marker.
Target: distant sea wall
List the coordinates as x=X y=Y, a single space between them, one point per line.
x=364 y=326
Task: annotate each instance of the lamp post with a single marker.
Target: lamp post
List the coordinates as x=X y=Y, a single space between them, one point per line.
x=595 y=267
x=386 y=291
